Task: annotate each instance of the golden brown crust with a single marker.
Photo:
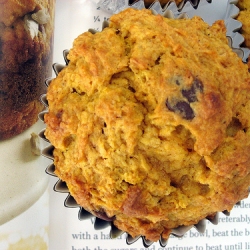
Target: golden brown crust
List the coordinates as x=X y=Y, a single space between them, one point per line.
x=25 y=60
x=149 y=124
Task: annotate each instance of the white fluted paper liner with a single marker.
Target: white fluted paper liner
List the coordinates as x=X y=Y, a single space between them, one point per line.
x=169 y=11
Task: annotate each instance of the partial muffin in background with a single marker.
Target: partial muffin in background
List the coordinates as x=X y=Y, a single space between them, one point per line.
x=244 y=18
x=26 y=39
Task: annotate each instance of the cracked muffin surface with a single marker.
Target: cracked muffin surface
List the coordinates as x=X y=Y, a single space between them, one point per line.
x=150 y=122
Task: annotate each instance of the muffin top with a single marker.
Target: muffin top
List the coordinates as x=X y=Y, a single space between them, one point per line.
x=149 y=120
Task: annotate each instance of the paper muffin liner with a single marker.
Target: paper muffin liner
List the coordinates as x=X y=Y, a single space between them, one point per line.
x=170 y=11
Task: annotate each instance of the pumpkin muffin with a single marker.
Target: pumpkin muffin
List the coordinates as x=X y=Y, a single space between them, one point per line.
x=150 y=123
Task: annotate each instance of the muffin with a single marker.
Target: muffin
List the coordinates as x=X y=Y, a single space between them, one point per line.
x=26 y=36
x=150 y=123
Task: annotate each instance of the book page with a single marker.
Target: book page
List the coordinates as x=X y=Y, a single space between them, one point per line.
x=67 y=232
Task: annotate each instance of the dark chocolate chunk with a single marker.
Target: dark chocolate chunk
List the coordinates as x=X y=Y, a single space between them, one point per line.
x=181 y=107
x=198 y=84
x=185 y=110
x=190 y=94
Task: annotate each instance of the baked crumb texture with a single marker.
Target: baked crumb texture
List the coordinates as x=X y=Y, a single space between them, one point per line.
x=26 y=35
x=150 y=123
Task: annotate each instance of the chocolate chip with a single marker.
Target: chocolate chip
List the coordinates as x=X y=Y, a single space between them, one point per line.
x=185 y=110
x=191 y=93
x=182 y=108
x=198 y=84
